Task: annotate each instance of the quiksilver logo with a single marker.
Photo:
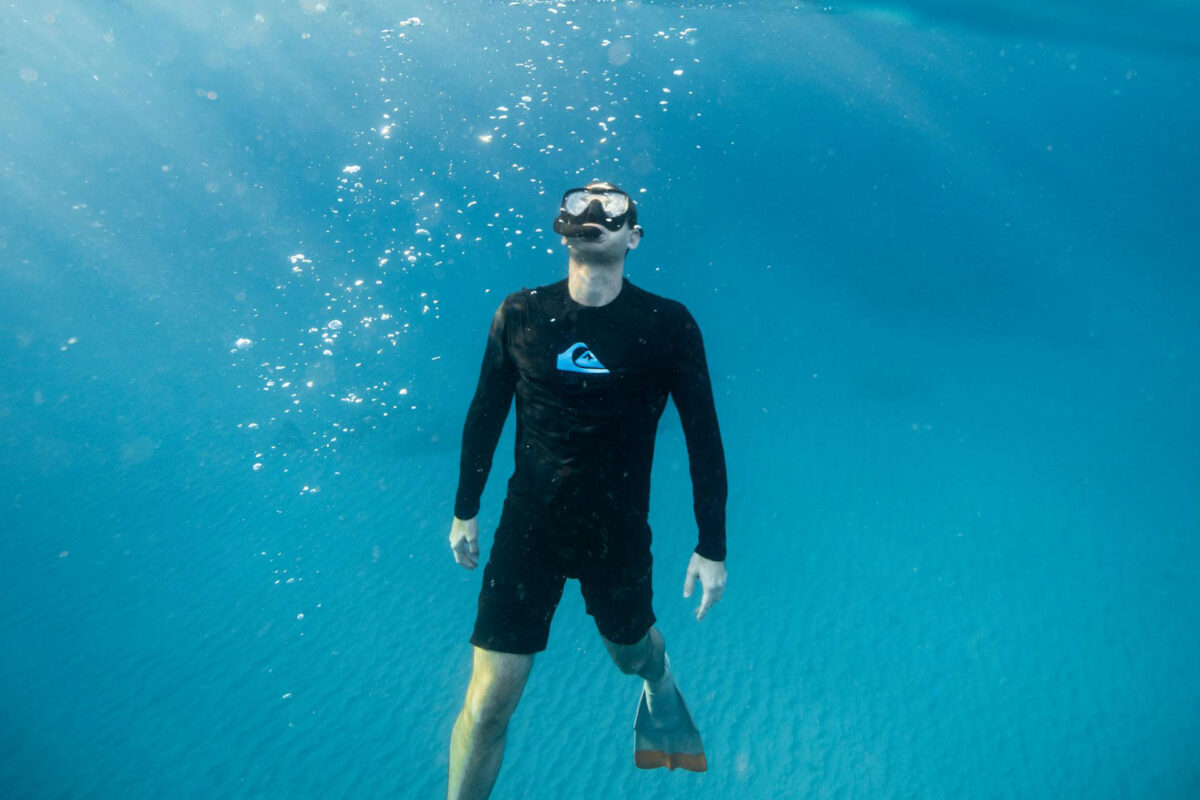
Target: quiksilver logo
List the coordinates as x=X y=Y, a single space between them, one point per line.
x=579 y=358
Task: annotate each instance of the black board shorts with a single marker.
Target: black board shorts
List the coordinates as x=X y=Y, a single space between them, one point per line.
x=536 y=549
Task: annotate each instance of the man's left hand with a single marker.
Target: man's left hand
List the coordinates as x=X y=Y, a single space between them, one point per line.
x=712 y=579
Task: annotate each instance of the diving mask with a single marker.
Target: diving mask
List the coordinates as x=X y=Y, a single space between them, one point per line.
x=611 y=208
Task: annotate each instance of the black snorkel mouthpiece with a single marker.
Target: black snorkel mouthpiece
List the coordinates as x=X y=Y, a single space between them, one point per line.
x=575 y=230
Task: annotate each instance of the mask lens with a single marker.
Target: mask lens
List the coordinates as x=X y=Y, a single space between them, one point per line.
x=614 y=203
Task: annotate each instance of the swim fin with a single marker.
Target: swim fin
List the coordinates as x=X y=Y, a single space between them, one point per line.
x=669 y=740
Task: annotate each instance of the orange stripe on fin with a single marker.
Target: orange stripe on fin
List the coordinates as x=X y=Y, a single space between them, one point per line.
x=653 y=759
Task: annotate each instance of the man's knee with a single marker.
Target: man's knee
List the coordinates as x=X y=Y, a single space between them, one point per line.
x=488 y=720
x=497 y=682
x=632 y=658
x=627 y=658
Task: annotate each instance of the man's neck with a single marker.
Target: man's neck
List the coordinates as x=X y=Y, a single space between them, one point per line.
x=595 y=284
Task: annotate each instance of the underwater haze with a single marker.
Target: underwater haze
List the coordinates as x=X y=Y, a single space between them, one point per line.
x=944 y=257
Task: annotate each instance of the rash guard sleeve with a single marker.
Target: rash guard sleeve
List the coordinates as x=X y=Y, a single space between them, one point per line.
x=485 y=417
x=692 y=392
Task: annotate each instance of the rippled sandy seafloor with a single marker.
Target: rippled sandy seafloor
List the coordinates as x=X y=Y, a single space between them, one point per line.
x=943 y=612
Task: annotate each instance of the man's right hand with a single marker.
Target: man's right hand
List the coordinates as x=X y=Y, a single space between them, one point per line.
x=464 y=541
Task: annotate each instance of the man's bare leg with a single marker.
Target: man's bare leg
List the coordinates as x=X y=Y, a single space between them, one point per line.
x=664 y=733
x=646 y=659
x=477 y=743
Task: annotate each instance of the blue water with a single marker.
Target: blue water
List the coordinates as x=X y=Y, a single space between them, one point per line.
x=944 y=262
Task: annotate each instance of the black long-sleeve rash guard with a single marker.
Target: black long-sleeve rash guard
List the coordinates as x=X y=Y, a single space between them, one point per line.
x=591 y=383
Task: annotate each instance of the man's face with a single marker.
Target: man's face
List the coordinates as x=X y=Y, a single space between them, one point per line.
x=609 y=244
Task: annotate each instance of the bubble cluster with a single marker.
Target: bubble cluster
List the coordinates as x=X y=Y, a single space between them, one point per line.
x=445 y=176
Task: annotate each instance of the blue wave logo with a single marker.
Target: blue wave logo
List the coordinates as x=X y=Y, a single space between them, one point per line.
x=579 y=358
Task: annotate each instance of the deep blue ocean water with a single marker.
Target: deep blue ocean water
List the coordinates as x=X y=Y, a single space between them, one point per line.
x=945 y=264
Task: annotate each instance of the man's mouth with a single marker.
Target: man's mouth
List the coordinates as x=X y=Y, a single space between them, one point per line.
x=590 y=232
x=587 y=231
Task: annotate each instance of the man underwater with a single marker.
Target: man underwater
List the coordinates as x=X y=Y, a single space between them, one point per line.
x=591 y=360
